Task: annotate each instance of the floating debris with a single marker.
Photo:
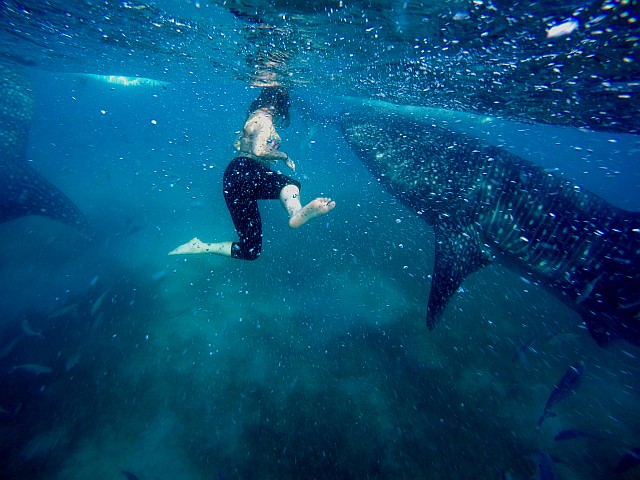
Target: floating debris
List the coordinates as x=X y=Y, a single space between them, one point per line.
x=563 y=29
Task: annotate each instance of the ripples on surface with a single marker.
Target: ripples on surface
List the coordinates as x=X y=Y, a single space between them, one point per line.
x=485 y=57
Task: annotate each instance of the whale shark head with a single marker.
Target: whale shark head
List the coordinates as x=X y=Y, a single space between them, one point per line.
x=428 y=167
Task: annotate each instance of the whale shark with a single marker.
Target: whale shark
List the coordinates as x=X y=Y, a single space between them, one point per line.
x=24 y=191
x=486 y=203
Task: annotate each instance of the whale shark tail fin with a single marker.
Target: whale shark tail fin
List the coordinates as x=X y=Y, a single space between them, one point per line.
x=26 y=192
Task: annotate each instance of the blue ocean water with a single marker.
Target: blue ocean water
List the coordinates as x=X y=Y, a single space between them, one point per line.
x=312 y=362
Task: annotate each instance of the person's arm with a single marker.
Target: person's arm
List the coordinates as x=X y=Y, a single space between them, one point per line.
x=260 y=145
x=290 y=163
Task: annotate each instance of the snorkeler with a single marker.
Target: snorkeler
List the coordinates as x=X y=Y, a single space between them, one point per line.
x=248 y=179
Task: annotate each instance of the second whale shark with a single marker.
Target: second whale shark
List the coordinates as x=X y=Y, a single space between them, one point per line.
x=485 y=202
x=24 y=191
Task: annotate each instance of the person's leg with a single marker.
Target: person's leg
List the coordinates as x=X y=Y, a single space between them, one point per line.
x=245 y=182
x=240 y=183
x=195 y=245
x=290 y=199
x=246 y=218
x=299 y=215
x=243 y=208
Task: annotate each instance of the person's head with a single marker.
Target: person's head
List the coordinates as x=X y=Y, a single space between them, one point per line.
x=277 y=100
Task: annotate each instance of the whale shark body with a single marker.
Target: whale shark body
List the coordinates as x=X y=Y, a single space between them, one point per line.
x=23 y=191
x=485 y=202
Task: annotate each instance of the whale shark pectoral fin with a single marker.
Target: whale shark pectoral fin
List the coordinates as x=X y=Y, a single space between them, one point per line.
x=459 y=252
x=23 y=191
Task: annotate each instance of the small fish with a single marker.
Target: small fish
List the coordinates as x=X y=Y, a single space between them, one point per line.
x=628 y=461
x=32 y=368
x=571 y=434
x=71 y=362
x=582 y=296
x=98 y=303
x=29 y=331
x=156 y=277
x=521 y=352
x=98 y=321
x=567 y=385
x=544 y=471
x=63 y=311
x=129 y=475
x=6 y=350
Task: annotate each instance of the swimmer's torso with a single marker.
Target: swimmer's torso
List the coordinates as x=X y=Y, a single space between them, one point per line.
x=259 y=138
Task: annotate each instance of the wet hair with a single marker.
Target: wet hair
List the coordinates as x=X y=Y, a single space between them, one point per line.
x=275 y=99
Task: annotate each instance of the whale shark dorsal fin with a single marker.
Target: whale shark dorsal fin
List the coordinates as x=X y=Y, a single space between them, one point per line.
x=459 y=252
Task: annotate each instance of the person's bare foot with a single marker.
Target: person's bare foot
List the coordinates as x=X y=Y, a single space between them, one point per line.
x=195 y=245
x=313 y=209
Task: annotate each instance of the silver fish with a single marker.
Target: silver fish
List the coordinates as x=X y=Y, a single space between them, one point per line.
x=567 y=385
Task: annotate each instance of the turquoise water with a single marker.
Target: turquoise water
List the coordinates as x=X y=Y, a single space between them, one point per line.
x=312 y=362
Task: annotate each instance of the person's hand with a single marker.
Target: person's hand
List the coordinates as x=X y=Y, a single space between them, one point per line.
x=290 y=163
